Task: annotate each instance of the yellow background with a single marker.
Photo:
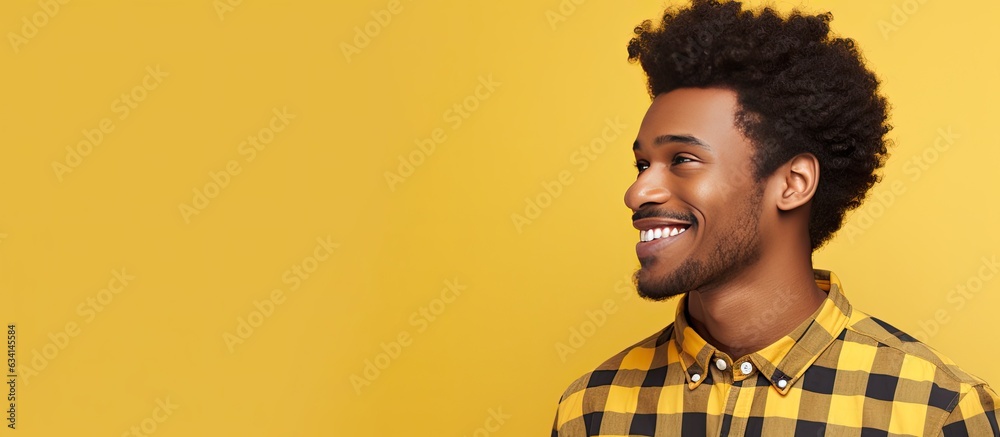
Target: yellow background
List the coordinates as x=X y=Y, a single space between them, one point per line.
x=492 y=349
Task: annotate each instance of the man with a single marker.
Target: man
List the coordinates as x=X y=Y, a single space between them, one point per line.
x=763 y=131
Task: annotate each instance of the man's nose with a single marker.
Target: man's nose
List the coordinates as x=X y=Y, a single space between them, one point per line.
x=649 y=187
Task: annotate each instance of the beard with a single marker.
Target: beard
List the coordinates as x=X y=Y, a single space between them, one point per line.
x=735 y=247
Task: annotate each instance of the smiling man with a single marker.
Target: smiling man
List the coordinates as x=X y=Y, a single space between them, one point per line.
x=764 y=130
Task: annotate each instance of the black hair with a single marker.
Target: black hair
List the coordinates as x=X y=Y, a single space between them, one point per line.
x=799 y=90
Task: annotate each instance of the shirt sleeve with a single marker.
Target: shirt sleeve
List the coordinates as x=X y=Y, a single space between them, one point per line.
x=555 y=425
x=975 y=414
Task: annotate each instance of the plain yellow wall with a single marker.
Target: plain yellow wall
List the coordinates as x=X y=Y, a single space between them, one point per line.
x=257 y=309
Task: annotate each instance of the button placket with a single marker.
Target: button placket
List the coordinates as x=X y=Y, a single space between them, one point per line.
x=722 y=371
x=696 y=376
x=721 y=364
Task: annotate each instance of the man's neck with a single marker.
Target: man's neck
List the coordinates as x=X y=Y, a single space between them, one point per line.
x=755 y=308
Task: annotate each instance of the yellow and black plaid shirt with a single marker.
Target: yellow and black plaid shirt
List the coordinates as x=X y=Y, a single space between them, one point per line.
x=840 y=373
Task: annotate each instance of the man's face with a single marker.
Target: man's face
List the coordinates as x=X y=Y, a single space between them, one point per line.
x=695 y=201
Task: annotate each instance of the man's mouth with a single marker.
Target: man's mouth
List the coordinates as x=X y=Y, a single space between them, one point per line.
x=661 y=232
x=659 y=228
x=656 y=235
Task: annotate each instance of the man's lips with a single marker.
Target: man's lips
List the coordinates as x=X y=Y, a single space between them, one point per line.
x=655 y=232
x=651 y=223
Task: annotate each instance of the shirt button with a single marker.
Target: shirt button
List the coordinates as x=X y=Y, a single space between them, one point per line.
x=782 y=383
x=721 y=364
x=695 y=378
x=746 y=368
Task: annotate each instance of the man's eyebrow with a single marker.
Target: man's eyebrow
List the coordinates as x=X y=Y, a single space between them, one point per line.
x=685 y=139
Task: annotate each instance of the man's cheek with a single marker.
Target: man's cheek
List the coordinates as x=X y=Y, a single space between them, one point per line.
x=734 y=181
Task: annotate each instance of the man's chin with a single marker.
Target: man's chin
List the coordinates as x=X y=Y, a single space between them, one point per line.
x=656 y=288
x=657 y=295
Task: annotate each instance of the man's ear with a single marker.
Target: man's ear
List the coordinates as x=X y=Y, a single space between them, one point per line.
x=798 y=180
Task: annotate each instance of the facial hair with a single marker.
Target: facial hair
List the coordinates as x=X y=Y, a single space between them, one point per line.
x=734 y=248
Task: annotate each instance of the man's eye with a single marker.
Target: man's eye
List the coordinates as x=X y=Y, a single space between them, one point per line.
x=680 y=159
x=641 y=165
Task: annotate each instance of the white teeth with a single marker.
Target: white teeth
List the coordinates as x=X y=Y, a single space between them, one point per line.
x=654 y=234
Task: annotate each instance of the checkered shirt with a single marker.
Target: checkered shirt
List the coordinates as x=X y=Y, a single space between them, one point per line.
x=839 y=373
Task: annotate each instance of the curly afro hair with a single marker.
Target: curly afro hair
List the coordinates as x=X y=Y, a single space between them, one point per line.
x=799 y=90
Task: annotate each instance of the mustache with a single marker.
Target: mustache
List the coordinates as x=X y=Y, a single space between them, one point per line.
x=650 y=212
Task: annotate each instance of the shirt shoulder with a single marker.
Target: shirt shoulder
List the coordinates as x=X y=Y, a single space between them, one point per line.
x=963 y=402
x=616 y=362
x=586 y=395
x=918 y=356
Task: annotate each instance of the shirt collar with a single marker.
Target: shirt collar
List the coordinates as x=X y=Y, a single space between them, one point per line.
x=784 y=360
